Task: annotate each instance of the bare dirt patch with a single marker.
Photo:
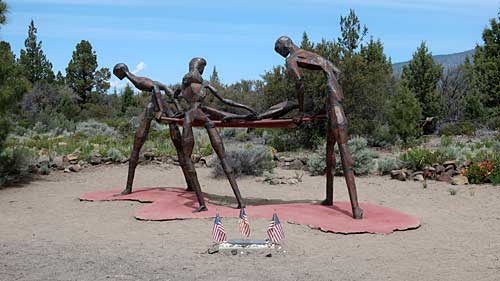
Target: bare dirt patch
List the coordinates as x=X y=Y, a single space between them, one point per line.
x=46 y=233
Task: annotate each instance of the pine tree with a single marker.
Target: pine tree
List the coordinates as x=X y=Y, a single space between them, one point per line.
x=487 y=65
x=404 y=114
x=36 y=67
x=80 y=73
x=102 y=77
x=127 y=98
x=352 y=33
x=3 y=11
x=214 y=78
x=421 y=76
x=306 y=44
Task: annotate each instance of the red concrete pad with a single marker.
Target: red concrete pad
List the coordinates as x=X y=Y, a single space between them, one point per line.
x=175 y=203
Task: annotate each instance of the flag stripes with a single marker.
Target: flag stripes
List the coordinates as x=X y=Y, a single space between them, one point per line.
x=244 y=225
x=275 y=230
x=218 y=232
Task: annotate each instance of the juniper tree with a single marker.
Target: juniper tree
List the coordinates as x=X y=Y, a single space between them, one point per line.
x=421 y=76
x=80 y=73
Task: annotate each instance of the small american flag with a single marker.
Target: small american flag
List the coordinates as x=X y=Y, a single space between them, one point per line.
x=218 y=232
x=275 y=230
x=244 y=225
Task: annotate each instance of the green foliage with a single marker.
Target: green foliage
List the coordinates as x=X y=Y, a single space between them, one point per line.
x=12 y=88
x=495 y=174
x=487 y=65
x=81 y=70
x=36 y=67
x=14 y=165
x=316 y=163
x=127 y=99
x=306 y=136
x=421 y=76
x=477 y=174
x=459 y=128
x=418 y=158
x=3 y=11
x=404 y=115
x=363 y=158
x=249 y=160
x=385 y=166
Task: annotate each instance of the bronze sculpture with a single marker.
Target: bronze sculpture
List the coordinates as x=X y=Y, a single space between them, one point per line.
x=194 y=90
x=154 y=110
x=336 y=121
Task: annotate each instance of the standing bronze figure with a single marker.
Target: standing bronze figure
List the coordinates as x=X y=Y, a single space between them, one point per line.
x=154 y=110
x=336 y=121
x=194 y=91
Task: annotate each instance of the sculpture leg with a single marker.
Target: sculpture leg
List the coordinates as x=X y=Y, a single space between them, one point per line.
x=341 y=137
x=218 y=147
x=139 y=140
x=175 y=135
x=187 y=149
x=330 y=162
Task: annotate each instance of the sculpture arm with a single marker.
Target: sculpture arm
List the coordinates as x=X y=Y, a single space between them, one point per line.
x=293 y=68
x=228 y=101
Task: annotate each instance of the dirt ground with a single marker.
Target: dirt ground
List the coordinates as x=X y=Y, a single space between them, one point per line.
x=46 y=233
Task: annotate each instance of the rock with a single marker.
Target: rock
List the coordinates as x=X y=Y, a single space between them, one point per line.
x=73 y=156
x=296 y=165
x=260 y=179
x=417 y=173
x=443 y=177
x=75 y=168
x=450 y=163
x=399 y=175
x=288 y=159
x=196 y=158
x=429 y=173
x=459 y=180
x=292 y=181
x=451 y=172
x=95 y=159
x=439 y=169
x=59 y=163
x=419 y=178
x=274 y=182
x=33 y=169
x=149 y=155
x=67 y=170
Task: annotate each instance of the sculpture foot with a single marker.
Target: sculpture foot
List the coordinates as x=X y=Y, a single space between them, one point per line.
x=241 y=206
x=357 y=213
x=327 y=202
x=202 y=208
x=124 y=192
x=189 y=189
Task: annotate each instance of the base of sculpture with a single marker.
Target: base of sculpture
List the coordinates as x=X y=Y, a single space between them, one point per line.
x=175 y=203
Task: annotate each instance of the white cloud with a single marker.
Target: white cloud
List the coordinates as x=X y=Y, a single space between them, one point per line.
x=139 y=67
x=120 y=84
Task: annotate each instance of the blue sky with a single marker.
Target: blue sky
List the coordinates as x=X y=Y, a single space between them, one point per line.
x=158 y=38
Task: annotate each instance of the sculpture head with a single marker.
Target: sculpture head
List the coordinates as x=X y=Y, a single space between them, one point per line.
x=198 y=64
x=120 y=70
x=284 y=45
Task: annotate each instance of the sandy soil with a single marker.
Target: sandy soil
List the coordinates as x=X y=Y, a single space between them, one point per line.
x=46 y=233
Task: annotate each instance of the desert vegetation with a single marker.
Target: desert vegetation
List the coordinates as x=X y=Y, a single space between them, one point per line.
x=72 y=120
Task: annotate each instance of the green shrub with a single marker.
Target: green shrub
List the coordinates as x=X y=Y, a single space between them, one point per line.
x=383 y=136
x=242 y=136
x=316 y=164
x=14 y=165
x=386 y=165
x=93 y=128
x=245 y=160
x=363 y=158
x=479 y=173
x=495 y=174
x=418 y=158
x=115 y=154
x=459 y=128
x=404 y=115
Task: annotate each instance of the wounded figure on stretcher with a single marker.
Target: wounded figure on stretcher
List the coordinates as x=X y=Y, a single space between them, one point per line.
x=188 y=103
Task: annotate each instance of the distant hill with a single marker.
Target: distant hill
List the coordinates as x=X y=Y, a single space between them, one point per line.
x=448 y=61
